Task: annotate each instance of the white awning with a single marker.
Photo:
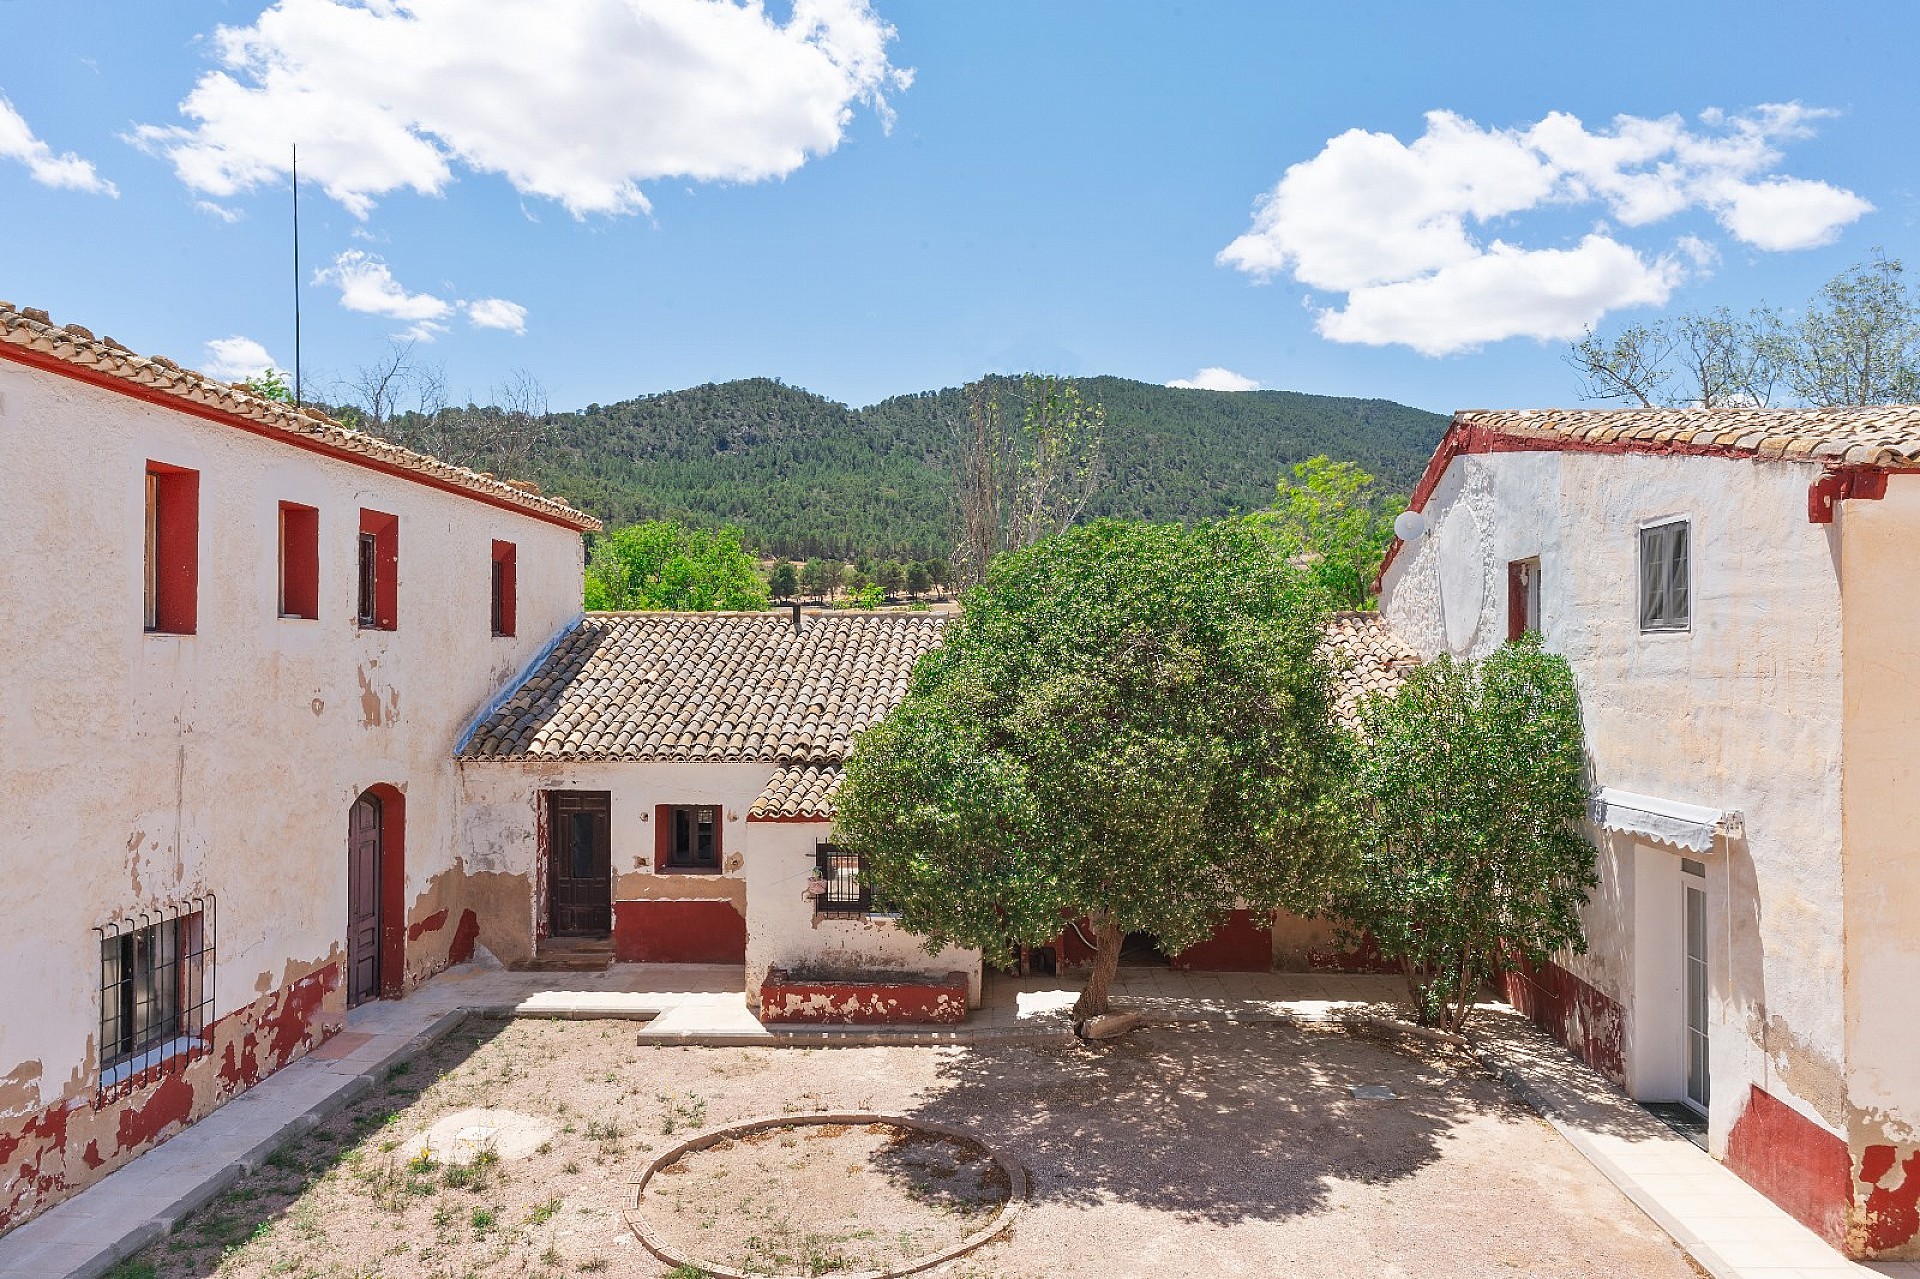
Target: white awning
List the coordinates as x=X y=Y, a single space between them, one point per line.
x=1669 y=821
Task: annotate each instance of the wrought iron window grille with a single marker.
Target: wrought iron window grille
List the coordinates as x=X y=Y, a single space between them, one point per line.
x=156 y=993
x=844 y=890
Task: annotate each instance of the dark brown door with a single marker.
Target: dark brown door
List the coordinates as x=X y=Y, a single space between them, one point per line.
x=579 y=864
x=363 y=901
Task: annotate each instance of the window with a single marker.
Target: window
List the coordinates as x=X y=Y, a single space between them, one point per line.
x=505 y=588
x=1523 y=598
x=1665 y=577
x=156 y=991
x=172 y=549
x=688 y=837
x=299 y=560
x=844 y=887
x=379 y=575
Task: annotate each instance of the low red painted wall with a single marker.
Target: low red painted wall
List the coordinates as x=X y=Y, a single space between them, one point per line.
x=49 y=1154
x=1889 y=1214
x=867 y=1000
x=1365 y=958
x=1794 y=1162
x=679 y=931
x=1243 y=944
x=1579 y=1016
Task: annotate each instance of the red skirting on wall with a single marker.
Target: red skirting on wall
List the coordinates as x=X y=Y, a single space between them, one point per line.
x=864 y=999
x=48 y=1154
x=667 y=930
x=1579 y=1016
x=1242 y=944
x=1794 y=1162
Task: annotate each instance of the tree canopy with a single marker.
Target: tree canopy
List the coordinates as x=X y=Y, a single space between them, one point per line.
x=1335 y=518
x=1469 y=791
x=661 y=564
x=1128 y=724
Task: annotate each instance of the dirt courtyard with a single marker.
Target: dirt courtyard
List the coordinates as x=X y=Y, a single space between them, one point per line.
x=509 y=1149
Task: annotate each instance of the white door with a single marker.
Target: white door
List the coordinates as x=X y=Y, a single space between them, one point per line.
x=1696 y=995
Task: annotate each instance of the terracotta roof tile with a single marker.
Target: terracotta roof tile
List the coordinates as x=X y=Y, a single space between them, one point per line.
x=30 y=329
x=1876 y=435
x=1368 y=658
x=731 y=687
x=798 y=792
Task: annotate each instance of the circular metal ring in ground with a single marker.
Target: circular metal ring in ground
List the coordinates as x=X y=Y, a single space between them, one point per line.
x=1018 y=1189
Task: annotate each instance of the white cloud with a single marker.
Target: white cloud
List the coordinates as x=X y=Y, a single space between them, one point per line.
x=220 y=211
x=496 y=313
x=578 y=101
x=1399 y=228
x=237 y=358
x=1215 y=378
x=367 y=285
x=66 y=172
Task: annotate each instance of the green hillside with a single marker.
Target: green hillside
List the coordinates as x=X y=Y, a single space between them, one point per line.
x=806 y=476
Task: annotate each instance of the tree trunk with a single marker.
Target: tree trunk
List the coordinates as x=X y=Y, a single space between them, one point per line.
x=1106 y=963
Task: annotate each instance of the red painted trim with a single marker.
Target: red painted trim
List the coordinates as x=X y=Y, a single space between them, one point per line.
x=506 y=555
x=1794 y=1162
x=909 y=1000
x=299 y=560
x=386 y=573
x=176 y=548
x=393 y=888
x=679 y=930
x=168 y=400
x=1867 y=483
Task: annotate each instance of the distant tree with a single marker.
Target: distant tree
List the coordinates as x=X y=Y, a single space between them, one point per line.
x=1129 y=723
x=818 y=577
x=664 y=565
x=916 y=579
x=784 y=582
x=1335 y=520
x=270 y=384
x=1020 y=482
x=1470 y=790
x=1857 y=342
x=851 y=578
x=890 y=576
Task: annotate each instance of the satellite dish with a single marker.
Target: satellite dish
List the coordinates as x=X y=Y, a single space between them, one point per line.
x=1408 y=526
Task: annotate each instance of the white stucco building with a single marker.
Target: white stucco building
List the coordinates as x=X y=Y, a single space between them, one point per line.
x=241 y=643
x=1732 y=589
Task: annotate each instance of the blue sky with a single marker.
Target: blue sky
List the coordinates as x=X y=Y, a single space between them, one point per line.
x=636 y=195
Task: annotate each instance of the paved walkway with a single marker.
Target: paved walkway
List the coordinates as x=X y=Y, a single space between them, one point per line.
x=1729 y=1228
x=1732 y=1230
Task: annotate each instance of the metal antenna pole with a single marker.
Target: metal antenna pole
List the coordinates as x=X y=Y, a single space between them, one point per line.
x=297 y=387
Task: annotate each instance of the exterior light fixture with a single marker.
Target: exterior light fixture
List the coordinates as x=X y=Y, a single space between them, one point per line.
x=1409 y=526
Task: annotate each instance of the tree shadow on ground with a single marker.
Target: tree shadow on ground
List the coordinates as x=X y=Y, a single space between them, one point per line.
x=1213 y=1122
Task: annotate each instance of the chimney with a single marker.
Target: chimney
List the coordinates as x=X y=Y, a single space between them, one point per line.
x=796 y=617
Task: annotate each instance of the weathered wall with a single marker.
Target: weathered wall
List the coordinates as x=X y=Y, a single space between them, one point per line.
x=784 y=932
x=1881 y=615
x=1741 y=712
x=143 y=769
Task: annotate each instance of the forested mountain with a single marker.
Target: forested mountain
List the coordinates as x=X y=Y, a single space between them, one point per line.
x=805 y=476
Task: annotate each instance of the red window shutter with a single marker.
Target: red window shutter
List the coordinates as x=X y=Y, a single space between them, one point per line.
x=505 y=588
x=662 y=834
x=386 y=574
x=175 y=548
x=299 y=560
x=1516 y=599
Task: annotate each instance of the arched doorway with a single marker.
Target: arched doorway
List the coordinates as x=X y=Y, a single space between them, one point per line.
x=376 y=894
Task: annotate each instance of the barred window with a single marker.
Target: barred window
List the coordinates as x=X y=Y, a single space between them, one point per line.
x=156 y=991
x=844 y=889
x=1665 y=577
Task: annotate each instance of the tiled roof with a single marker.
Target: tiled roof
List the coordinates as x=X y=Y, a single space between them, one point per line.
x=723 y=687
x=30 y=336
x=798 y=792
x=1875 y=435
x=1369 y=658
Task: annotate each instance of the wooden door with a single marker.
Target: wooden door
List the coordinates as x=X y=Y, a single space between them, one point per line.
x=363 y=901
x=579 y=864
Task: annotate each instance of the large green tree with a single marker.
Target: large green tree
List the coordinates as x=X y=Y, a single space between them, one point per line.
x=1469 y=793
x=1128 y=724
x=661 y=564
x=1335 y=518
